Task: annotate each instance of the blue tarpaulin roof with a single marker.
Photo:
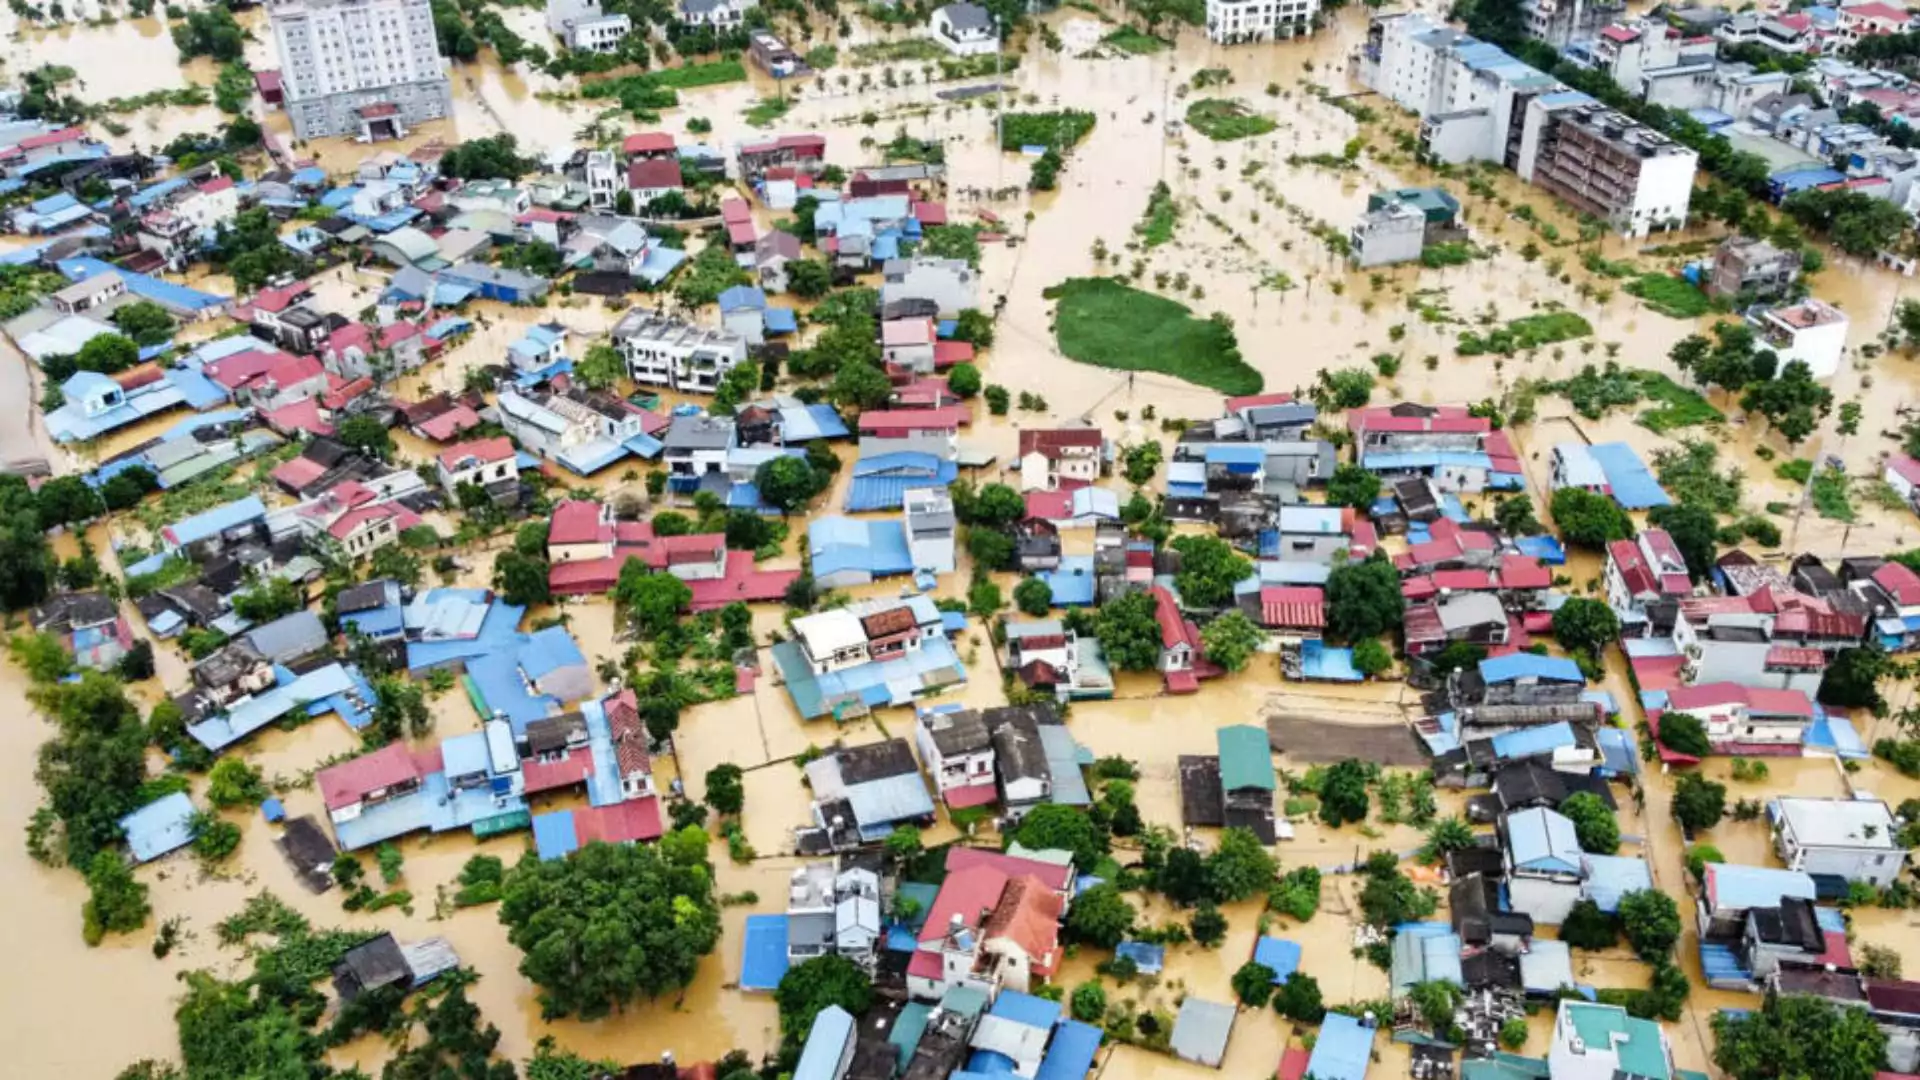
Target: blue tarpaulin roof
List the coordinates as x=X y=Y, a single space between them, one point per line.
x=763 y=953
x=1545 y=548
x=1528 y=742
x=1333 y=663
x=1522 y=665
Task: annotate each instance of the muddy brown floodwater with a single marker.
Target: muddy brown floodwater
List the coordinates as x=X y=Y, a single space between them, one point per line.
x=1245 y=245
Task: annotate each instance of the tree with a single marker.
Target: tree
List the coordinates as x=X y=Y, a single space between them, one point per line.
x=270 y=598
x=1588 y=927
x=107 y=354
x=116 y=902
x=136 y=664
x=1694 y=530
x=1066 y=828
x=521 y=579
x=997 y=397
x=992 y=549
x=1231 y=640
x=964 y=381
x=1033 y=596
x=1253 y=984
x=808 y=279
x=1370 y=658
x=1240 y=867
x=26 y=562
x=1456 y=656
x=1853 y=677
x=146 y=322
x=42 y=655
x=1209 y=569
x=816 y=984
x=1652 y=923
x=1596 y=827
x=1438 y=1002
x=1343 y=794
x=996 y=506
x=1445 y=836
x=93 y=768
x=1698 y=803
x=395 y=562
x=1589 y=519
x=1389 y=897
x=1298 y=999
x=68 y=500
x=984 y=597
x=1140 y=461
x=1208 y=926
x=1791 y=401
x=399 y=711
x=1514 y=514
x=1129 y=632
x=365 y=434
x=724 y=791
x=1683 y=733
x=1182 y=876
x=494 y=157
x=786 y=483
x=1796 y=1036
x=860 y=386
x=1363 y=599
x=903 y=844
x=609 y=924
x=1088 y=1004
x=232 y=782
x=652 y=601
x=1585 y=626
x=601 y=367
x=1101 y=916
x=1352 y=485
x=128 y=486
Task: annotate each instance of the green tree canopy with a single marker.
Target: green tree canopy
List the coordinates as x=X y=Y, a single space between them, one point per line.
x=1364 y=599
x=1588 y=927
x=1209 y=569
x=521 y=579
x=1253 y=984
x=1585 y=626
x=787 y=483
x=1343 y=794
x=652 y=601
x=1588 y=518
x=1068 y=828
x=1129 y=633
x=1231 y=640
x=815 y=984
x=609 y=924
x=1240 y=867
x=1798 y=1036
x=1101 y=916
x=1596 y=826
x=1698 y=803
x=1352 y=485
x=1684 y=733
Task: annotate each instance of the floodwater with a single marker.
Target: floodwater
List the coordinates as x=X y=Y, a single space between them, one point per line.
x=1245 y=220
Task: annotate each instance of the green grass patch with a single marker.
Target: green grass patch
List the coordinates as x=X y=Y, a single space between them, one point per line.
x=887 y=52
x=1797 y=471
x=1129 y=40
x=1447 y=253
x=1527 y=332
x=1679 y=407
x=1613 y=268
x=1594 y=391
x=1670 y=296
x=1832 y=496
x=1222 y=120
x=766 y=111
x=1102 y=322
x=822 y=57
x=694 y=76
x=1059 y=130
x=1156 y=227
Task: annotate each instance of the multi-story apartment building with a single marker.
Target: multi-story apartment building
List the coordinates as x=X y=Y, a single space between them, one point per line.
x=1562 y=22
x=664 y=351
x=1233 y=22
x=1605 y=164
x=1745 y=266
x=585 y=26
x=365 y=68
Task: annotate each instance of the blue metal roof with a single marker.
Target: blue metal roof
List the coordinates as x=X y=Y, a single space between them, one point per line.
x=212 y=522
x=1528 y=742
x=763 y=953
x=1070 y=1054
x=1543 y=839
x=1523 y=665
x=1611 y=876
x=741 y=297
x=1628 y=478
x=1025 y=1009
x=820 y=1060
x=1737 y=888
x=1545 y=548
x=1073 y=582
x=165 y=293
x=549 y=650
x=554 y=835
x=839 y=544
x=159 y=827
x=1281 y=955
x=1342 y=1050
x=779 y=320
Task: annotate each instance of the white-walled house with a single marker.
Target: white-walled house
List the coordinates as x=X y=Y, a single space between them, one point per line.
x=1602 y=1042
x=1812 y=331
x=486 y=462
x=958 y=752
x=1849 y=838
x=963 y=29
x=1543 y=864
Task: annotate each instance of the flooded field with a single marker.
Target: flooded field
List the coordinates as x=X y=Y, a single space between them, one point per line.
x=1247 y=243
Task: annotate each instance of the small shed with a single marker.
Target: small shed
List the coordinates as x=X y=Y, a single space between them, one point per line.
x=1201 y=1031
x=162 y=826
x=371 y=965
x=1281 y=955
x=1343 y=1049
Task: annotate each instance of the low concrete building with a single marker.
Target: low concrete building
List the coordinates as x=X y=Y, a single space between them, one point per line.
x=1849 y=838
x=1744 y=266
x=1813 y=332
x=964 y=29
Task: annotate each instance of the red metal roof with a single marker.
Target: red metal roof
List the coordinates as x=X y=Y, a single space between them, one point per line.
x=741 y=581
x=52 y=138
x=895 y=420
x=584 y=577
x=1906 y=468
x=735 y=210
x=1173 y=627
x=349 y=782
x=1053 y=442
x=553 y=775
x=620 y=823
x=297 y=473
x=1296 y=606
x=476 y=452
x=279 y=299
x=1249 y=401
x=1524 y=572
x=577 y=521
x=965 y=898
x=649 y=142
x=1901 y=583
x=1787 y=656
x=962 y=798
x=653 y=173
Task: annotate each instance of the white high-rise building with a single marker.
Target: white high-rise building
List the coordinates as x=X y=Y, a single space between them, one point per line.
x=1233 y=22
x=370 y=69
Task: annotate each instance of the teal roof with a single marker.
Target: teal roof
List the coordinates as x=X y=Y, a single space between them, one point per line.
x=1245 y=758
x=907 y=1029
x=1639 y=1046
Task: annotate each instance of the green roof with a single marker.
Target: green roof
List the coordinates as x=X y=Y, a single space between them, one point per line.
x=907 y=1029
x=1434 y=202
x=1503 y=1066
x=964 y=1000
x=1641 y=1050
x=1246 y=760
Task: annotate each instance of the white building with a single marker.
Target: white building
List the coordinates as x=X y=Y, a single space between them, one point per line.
x=1849 y=838
x=719 y=14
x=665 y=351
x=1811 y=331
x=950 y=283
x=930 y=526
x=958 y=751
x=585 y=27
x=1606 y=164
x=963 y=29
x=831 y=912
x=1602 y=1042
x=371 y=69
x=485 y=462
x=1234 y=22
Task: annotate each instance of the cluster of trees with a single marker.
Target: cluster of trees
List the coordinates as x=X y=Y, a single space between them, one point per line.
x=210 y=31
x=612 y=923
x=496 y=157
x=249 y=249
x=520 y=573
